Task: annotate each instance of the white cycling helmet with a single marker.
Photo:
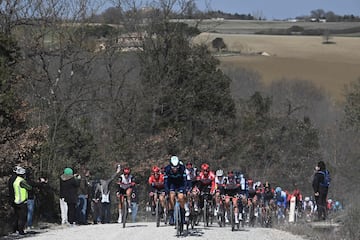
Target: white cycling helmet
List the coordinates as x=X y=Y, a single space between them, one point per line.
x=19 y=170
x=174 y=161
x=219 y=173
x=307 y=199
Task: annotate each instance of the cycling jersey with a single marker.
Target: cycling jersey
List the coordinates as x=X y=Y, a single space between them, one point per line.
x=174 y=180
x=125 y=183
x=207 y=181
x=157 y=184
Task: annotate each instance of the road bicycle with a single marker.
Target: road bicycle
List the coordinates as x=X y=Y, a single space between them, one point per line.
x=221 y=212
x=125 y=204
x=193 y=219
x=207 y=208
x=178 y=217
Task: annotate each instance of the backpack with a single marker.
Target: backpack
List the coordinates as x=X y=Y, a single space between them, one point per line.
x=327 y=178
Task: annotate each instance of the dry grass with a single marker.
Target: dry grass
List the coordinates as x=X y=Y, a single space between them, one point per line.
x=329 y=66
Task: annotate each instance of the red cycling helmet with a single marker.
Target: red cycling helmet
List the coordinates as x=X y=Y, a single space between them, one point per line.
x=126 y=170
x=205 y=167
x=155 y=169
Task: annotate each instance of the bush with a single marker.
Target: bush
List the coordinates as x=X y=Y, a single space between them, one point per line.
x=351 y=229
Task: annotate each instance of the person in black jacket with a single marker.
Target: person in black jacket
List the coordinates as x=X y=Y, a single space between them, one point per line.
x=31 y=195
x=320 y=190
x=69 y=184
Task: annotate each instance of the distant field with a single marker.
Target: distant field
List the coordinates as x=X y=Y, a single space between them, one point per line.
x=329 y=66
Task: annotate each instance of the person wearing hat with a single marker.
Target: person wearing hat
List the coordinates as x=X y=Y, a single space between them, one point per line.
x=69 y=185
x=18 y=191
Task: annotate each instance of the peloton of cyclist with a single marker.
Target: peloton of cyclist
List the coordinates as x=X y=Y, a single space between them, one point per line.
x=205 y=184
x=157 y=189
x=174 y=182
x=232 y=190
x=126 y=183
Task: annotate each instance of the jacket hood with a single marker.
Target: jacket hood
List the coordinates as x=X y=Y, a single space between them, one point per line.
x=66 y=177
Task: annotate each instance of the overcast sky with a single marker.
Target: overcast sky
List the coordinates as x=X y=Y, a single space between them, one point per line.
x=281 y=9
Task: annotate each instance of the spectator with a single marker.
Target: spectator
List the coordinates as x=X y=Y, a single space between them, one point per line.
x=105 y=197
x=134 y=204
x=18 y=191
x=69 y=185
x=95 y=195
x=83 y=194
x=31 y=196
x=320 y=189
x=63 y=205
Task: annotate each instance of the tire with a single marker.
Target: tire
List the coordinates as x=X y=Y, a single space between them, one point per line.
x=205 y=214
x=157 y=212
x=124 y=212
x=178 y=220
x=232 y=216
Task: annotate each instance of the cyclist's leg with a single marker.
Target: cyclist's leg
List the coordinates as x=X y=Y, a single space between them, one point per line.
x=162 y=199
x=236 y=209
x=128 y=194
x=121 y=198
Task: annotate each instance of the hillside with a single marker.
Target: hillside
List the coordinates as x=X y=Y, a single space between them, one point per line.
x=329 y=66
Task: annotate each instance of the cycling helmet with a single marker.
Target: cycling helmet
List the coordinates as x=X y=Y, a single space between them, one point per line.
x=126 y=170
x=278 y=189
x=19 y=170
x=307 y=199
x=219 y=173
x=174 y=161
x=155 y=169
x=205 y=167
x=337 y=204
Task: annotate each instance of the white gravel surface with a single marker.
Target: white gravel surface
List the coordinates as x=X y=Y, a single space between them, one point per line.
x=148 y=230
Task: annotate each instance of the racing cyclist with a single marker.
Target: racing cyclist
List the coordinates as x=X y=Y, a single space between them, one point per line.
x=174 y=182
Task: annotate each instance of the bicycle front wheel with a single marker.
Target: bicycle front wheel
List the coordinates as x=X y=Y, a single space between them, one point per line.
x=124 y=212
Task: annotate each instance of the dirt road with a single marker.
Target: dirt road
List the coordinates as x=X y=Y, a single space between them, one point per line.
x=146 y=230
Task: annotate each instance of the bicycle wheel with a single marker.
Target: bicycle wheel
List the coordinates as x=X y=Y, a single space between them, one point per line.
x=124 y=212
x=205 y=214
x=157 y=212
x=221 y=215
x=232 y=216
x=166 y=211
x=177 y=218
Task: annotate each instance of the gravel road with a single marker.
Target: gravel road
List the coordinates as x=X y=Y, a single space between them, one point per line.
x=148 y=230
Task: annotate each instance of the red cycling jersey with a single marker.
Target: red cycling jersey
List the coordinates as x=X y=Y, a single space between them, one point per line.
x=210 y=176
x=157 y=183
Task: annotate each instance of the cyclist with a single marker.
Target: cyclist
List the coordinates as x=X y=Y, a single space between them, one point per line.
x=126 y=183
x=281 y=200
x=268 y=195
x=191 y=174
x=205 y=184
x=308 y=208
x=156 y=183
x=219 y=189
x=299 y=199
x=174 y=181
x=232 y=190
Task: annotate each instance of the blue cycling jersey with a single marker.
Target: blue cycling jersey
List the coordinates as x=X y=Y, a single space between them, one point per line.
x=174 y=180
